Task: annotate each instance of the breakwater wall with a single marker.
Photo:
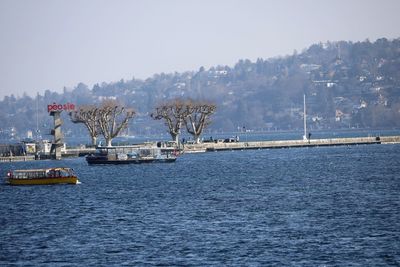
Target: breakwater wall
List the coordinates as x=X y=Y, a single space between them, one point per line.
x=17 y=158
x=192 y=148
x=221 y=146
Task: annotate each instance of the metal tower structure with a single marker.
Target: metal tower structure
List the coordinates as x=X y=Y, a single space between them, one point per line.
x=57 y=143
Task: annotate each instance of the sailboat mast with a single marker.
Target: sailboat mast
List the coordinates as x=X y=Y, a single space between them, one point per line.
x=37 y=117
x=305 y=117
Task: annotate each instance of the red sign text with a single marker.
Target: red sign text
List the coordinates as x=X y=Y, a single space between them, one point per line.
x=60 y=107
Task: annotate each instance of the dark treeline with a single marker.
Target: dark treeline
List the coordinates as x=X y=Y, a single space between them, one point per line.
x=347 y=85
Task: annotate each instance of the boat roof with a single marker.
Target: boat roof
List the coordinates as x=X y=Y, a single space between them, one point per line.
x=43 y=170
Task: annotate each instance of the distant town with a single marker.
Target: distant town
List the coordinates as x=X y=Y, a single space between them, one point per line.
x=347 y=85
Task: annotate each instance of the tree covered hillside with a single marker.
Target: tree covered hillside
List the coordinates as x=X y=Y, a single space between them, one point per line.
x=346 y=85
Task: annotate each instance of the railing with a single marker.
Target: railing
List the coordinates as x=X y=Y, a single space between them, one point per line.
x=281 y=144
x=17 y=158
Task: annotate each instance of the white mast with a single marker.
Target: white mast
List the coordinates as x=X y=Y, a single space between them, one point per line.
x=37 y=116
x=305 y=118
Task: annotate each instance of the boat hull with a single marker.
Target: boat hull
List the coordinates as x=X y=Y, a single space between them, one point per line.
x=131 y=155
x=128 y=161
x=43 y=181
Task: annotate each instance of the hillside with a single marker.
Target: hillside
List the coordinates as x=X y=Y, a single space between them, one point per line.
x=346 y=84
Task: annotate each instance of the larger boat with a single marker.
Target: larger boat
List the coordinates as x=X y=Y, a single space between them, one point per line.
x=131 y=154
x=42 y=176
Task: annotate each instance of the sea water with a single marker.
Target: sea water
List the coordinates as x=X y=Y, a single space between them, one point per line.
x=326 y=206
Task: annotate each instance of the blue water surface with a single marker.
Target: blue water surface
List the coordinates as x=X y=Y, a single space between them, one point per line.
x=326 y=206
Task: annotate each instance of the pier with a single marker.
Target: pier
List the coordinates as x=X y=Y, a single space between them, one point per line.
x=17 y=158
x=207 y=147
x=222 y=146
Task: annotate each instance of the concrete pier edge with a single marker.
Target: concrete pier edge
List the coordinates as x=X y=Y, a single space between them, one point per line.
x=207 y=147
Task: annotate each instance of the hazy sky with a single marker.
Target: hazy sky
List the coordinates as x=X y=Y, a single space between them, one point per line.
x=49 y=44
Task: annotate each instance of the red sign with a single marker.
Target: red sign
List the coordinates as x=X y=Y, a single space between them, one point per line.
x=60 y=107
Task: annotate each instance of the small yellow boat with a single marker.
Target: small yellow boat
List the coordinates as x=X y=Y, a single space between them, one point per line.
x=42 y=176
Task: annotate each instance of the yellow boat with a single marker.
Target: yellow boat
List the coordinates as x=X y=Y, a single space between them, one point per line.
x=42 y=176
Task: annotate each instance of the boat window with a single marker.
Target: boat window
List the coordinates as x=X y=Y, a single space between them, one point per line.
x=51 y=173
x=101 y=151
x=71 y=172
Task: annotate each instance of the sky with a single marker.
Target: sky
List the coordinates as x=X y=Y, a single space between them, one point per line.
x=52 y=44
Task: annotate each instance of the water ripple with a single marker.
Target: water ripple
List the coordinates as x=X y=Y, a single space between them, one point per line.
x=290 y=207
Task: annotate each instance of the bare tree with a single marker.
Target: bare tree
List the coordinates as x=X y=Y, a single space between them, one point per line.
x=198 y=117
x=113 y=118
x=88 y=115
x=174 y=113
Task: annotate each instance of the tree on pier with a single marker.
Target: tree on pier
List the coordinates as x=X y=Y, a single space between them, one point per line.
x=88 y=115
x=173 y=113
x=109 y=119
x=112 y=119
x=198 y=117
